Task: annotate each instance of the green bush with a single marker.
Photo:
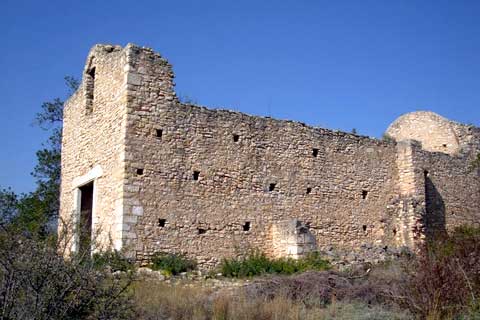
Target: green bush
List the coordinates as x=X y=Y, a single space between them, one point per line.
x=172 y=263
x=112 y=259
x=257 y=263
x=314 y=261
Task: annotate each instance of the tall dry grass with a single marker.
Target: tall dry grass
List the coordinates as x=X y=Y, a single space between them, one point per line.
x=157 y=300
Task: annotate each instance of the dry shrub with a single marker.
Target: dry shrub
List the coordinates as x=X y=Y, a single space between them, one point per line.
x=320 y=288
x=444 y=281
x=37 y=283
x=436 y=288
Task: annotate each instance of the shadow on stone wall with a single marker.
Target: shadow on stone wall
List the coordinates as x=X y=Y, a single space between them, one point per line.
x=435 y=211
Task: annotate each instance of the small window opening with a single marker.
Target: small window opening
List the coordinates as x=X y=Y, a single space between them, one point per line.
x=394 y=232
x=236 y=138
x=364 y=227
x=90 y=88
x=426 y=174
x=196 y=175
x=315 y=152
x=364 y=194
x=159 y=133
x=201 y=231
x=246 y=226
x=139 y=171
x=162 y=222
x=91 y=72
x=272 y=186
x=309 y=190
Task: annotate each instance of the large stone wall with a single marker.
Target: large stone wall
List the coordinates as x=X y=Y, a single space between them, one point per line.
x=341 y=191
x=216 y=183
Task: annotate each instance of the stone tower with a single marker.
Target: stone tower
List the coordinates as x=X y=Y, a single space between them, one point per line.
x=96 y=154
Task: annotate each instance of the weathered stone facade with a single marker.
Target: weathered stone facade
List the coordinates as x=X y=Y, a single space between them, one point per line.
x=175 y=177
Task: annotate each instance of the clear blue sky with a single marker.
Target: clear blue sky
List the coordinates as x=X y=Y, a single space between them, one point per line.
x=337 y=64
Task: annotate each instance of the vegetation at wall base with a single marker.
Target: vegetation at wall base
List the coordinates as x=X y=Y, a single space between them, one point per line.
x=172 y=263
x=113 y=260
x=257 y=263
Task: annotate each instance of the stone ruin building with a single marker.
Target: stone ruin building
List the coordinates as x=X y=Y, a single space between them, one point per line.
x=146 y=173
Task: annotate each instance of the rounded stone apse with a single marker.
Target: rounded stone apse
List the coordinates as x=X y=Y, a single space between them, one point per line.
x=433 y=131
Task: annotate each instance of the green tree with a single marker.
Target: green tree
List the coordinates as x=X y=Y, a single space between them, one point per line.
x=37 y=212
x=43 y=204
x=8 y=206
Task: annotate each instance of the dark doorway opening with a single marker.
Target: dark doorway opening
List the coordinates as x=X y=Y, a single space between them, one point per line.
x=85 y=225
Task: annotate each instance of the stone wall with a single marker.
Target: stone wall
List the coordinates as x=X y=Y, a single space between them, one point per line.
x=452 y=191
x=337 y=183
x=213 y=183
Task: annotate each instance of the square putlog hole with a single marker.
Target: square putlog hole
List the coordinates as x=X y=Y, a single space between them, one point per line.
x=201 y=231
x=196 y=175
x=236 y=138
x=139 y=171
x=315 y=152
x=246 y=226
x=159 y=133
x=162 y=222
x=364 y=194
x=272 y=186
